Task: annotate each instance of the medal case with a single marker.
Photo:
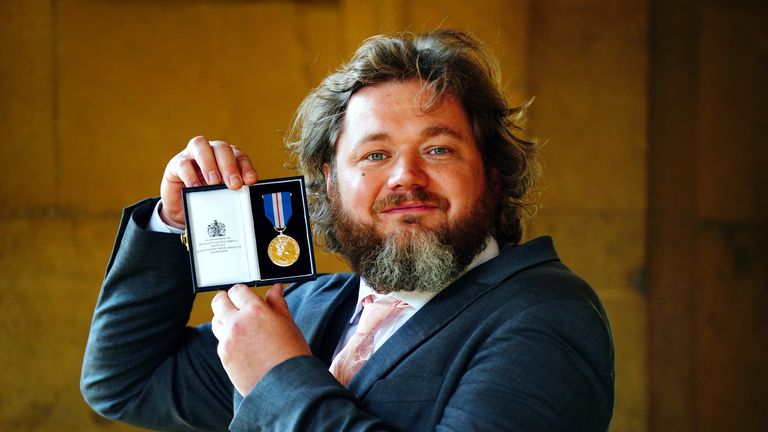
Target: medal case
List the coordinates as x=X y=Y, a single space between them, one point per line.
x=234 y=237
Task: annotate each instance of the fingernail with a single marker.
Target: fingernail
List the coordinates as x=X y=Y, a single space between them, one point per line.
x=213 y=177
x=251 y=176
x=235 y=180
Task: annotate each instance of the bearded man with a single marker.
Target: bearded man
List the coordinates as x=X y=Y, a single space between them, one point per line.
x=419 y=178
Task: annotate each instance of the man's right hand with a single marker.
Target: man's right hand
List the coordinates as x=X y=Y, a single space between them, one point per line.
x=202 y=162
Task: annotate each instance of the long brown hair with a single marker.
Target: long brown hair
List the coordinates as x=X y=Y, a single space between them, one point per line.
x=445 y=61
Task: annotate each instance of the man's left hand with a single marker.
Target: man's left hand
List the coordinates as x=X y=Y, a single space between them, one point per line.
x=254 y=334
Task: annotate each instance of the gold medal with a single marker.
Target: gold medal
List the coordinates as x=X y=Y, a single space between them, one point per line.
x=283 y=250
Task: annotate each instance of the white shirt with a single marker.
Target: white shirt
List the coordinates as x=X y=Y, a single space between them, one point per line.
x=415 y=300
x=157 y=225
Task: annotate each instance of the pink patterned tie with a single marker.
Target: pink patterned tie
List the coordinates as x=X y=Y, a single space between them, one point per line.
x=359 y=348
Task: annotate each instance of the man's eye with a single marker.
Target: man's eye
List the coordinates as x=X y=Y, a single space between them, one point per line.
x=375 y=156
x=439 y=151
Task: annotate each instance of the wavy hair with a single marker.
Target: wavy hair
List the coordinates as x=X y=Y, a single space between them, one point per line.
x=444 y=61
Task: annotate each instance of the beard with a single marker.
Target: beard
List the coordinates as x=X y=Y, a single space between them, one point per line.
x=413 y=258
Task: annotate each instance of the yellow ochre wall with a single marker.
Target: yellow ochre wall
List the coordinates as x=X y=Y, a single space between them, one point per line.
x=97 y=95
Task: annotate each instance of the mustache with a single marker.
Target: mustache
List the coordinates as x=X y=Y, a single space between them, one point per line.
x=417 y=196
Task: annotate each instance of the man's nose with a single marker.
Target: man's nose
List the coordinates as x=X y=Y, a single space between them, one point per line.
x=407 y=173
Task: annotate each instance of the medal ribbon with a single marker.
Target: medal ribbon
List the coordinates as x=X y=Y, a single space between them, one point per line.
x=277 y=207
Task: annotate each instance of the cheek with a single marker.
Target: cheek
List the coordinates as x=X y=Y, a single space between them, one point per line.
x=356 y=189
x=469 y=190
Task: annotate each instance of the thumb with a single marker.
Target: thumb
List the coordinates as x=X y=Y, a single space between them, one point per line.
x=276 y=301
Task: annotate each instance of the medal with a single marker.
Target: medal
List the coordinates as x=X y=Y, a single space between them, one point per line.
x=282 y=250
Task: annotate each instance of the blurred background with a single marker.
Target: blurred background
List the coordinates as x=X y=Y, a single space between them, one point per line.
x=654 y=118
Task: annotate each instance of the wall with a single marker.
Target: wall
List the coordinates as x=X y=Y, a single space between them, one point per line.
x=707 y=216
x=97 y=95
x=587 y=63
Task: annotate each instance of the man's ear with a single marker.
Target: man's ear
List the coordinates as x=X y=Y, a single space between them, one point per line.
x=327 y=175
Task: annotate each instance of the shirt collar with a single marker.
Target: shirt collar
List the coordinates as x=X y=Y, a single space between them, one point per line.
x=417 y=299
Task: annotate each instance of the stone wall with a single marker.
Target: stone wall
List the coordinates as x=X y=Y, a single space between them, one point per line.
x=98 y=95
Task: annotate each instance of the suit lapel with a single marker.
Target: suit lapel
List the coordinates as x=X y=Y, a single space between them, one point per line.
x=322 y=329
x=337 y=321
x=447 y=305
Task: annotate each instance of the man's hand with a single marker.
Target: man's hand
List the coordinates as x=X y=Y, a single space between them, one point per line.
x=202 y=162
x=254 y=335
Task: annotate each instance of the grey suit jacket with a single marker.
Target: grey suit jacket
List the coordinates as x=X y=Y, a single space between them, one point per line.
x=518 y=343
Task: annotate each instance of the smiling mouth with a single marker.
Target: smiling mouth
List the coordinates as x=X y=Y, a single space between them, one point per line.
x=410 y=207
x=414 y=201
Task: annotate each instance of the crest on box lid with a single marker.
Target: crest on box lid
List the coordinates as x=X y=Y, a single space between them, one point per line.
x=217 y=229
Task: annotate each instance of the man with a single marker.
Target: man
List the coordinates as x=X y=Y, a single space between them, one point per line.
x=417 y=177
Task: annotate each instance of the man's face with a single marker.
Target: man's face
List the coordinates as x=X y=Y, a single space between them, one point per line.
x=408 y=197
x=402 y=170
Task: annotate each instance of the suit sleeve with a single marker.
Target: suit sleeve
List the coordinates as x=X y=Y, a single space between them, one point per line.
x=142 y=364
x=305 y=396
